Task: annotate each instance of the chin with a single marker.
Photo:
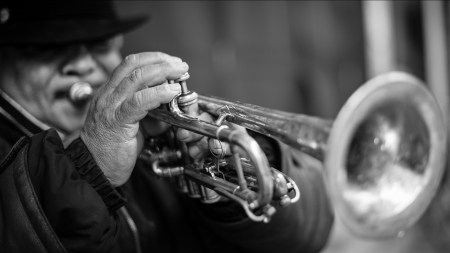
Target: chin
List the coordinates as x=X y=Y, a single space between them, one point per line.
x=67 y=124
x=73 y=124
x=69 y=128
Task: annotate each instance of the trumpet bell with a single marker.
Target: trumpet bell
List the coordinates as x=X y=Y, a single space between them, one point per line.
x=385 y=155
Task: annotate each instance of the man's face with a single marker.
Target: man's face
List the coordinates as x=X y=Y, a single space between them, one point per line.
x=42 y=87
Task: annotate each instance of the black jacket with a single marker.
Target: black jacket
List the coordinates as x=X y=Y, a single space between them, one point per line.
x=83 y=211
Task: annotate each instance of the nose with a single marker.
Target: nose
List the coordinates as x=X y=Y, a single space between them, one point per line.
x=85 y=67
x=82 y=65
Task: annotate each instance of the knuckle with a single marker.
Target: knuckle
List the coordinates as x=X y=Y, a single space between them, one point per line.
x=132 y=104
x=136 y=75
x=130 y=59
x=138 y=99
x=122 y=113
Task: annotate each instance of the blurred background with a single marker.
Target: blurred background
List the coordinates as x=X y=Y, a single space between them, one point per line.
x=300 y=56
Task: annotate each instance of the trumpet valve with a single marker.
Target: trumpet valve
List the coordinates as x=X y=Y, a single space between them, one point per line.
x=268 y=211
x=280 y=189
x=181 y=184
x=187 y=101
x=193 y=189
x=208 y=196
x=285 y=200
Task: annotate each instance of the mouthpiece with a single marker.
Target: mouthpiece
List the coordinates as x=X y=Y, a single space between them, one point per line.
x=80 y=92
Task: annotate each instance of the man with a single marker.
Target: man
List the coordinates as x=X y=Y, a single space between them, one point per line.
x=79 y=188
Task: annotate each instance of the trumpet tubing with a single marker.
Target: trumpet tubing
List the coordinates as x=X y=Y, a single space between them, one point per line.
x=208 y=176
x=383 y=155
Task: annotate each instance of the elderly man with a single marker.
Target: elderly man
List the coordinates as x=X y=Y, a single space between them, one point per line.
x=69 y=178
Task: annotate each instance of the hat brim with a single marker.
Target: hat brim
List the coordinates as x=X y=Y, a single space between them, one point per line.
x=67 y=31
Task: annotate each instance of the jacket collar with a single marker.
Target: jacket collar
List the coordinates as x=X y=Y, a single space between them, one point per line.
x=20 y=117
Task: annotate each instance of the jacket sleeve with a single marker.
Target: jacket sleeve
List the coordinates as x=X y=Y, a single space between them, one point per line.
x=75 y=196
x=300 y=227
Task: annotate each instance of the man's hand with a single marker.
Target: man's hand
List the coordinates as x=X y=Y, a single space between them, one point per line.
x=111 y=131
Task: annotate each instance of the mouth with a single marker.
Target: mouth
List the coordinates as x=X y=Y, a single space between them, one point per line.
x=62 y=94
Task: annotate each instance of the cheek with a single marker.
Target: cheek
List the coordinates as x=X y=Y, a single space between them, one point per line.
x=32 y=90
x=36 y=83
x=110 y=61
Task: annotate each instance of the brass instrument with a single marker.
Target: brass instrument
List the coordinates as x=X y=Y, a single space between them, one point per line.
x=383 y=155
x=251 y=183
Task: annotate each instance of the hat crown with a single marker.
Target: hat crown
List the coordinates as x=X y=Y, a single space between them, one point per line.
x=58 y=10
x=59 y=22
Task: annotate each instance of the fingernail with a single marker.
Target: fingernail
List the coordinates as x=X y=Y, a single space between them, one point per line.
x=174 y=86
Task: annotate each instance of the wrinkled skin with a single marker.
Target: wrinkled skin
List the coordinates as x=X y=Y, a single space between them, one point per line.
x=124 y=91
x=39 y=86
x=111 y=131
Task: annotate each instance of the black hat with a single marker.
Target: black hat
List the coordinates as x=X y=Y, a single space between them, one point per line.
x=57 y=22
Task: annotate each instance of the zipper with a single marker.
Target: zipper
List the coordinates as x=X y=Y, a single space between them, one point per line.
x=133 y=228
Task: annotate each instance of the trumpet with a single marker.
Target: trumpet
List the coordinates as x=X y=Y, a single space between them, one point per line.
x=383 y=155
x=249 y=181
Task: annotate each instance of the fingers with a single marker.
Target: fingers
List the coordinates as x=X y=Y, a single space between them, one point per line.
x=145 y=87
x=135 y=61
x=151 y=98
x=149 y=76
x=135 y=108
